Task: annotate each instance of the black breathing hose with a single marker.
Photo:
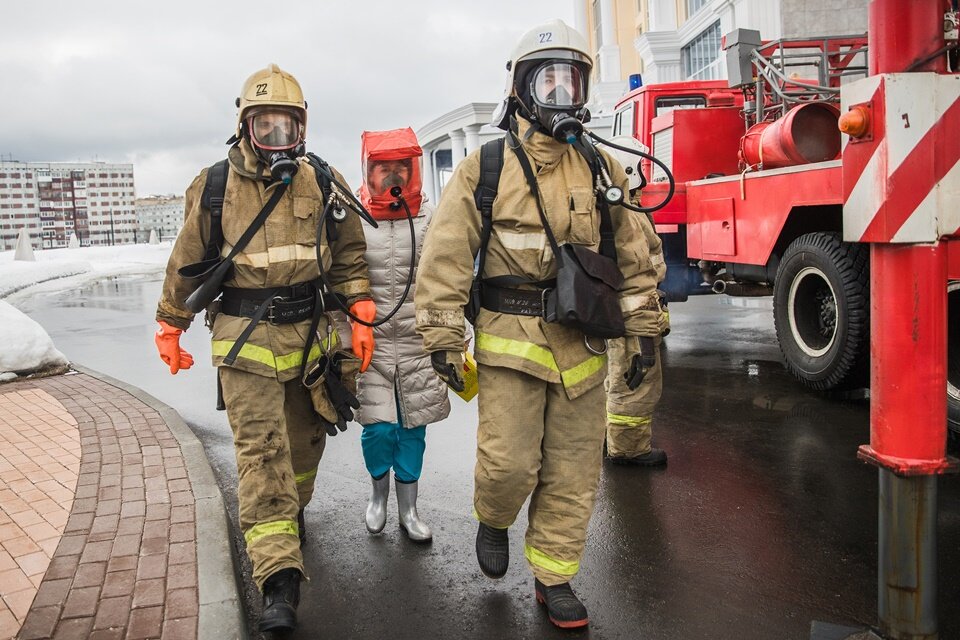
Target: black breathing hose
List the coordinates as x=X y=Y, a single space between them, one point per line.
x=648 y=156
x=398 y=194
x=354 y=204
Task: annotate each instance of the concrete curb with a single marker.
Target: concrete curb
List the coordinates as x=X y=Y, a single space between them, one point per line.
x=221 y=605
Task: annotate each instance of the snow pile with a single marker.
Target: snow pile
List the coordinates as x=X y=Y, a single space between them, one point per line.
x=20 y=275
x=27 y=347
x=80 y=266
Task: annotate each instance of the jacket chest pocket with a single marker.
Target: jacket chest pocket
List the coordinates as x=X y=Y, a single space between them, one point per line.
x=584 y=223
x=306 y=214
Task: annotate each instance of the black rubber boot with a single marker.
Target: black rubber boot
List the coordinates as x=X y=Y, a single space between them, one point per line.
x=301 y=528
x=281 y=595
x=563 y=607
x=493 y=551
x=653 y=458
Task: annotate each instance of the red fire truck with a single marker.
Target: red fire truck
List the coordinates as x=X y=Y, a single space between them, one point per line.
x=758 y=206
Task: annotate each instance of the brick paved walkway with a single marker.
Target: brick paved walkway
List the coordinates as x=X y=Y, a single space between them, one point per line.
x=39 y=464
x=124 y=563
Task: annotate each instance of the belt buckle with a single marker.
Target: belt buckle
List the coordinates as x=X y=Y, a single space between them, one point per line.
x=270 y=317
x=543 y=302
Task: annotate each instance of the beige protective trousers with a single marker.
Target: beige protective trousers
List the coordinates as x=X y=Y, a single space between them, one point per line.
x=630 y=413
x=279 y=441
x=532 y=438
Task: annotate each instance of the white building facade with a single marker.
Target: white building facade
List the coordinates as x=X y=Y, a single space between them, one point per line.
x=449 y=139
x=676 y=40
x=54 y=201
x=163 y=214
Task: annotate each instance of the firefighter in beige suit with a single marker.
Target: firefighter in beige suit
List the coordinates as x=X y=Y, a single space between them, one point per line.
x=541 y=427
x=630 y=411
x=278 y=434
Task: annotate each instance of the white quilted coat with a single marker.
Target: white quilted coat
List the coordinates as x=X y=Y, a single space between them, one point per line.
x=399 y=360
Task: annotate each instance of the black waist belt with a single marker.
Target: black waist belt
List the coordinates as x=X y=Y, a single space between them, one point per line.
x=518 y=302
x=289 y=304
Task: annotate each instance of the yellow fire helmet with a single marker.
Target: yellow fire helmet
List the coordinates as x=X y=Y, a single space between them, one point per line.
x=271 y=87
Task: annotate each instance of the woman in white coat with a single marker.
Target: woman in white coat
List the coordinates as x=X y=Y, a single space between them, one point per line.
x=399 y=393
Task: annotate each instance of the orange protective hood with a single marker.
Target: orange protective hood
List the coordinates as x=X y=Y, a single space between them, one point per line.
x=390 y=158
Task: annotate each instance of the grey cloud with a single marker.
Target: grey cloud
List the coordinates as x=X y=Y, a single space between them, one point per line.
x=155 y=83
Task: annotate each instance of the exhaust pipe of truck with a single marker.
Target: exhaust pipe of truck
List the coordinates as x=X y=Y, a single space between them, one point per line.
x=742 y=290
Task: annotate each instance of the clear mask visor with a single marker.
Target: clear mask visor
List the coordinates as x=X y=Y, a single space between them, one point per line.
x=275 y=130
x=382 y=175
x=559 y=85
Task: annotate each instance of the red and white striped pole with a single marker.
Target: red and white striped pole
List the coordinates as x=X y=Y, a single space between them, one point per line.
x=908 y=412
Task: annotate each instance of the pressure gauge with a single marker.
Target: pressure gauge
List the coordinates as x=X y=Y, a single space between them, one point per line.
x=613 y=195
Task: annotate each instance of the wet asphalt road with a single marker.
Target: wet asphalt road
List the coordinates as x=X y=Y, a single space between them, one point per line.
x=762 y=522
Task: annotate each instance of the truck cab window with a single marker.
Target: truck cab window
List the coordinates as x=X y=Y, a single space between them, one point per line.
x=623 y=122
x=666 y=105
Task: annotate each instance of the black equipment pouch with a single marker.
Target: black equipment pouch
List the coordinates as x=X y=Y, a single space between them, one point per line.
x=491 y=163
x=587 y=295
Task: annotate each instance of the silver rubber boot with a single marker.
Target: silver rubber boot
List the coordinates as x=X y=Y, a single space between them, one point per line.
x=410 y=522
x=376 y=516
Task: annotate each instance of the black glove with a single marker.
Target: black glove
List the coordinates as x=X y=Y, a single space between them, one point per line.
x=641 y=363
x=344 y=402
x=449 y=366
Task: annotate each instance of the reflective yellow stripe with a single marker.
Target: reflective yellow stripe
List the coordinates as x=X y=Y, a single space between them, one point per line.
x=477 y=517
x=628 y=421
x=525 y=350
x=584 y=370
x=273 y=255
x=539 y=559
x=265 y=356
x=264 y=529
x=521 y=241
x=541 y=356
x=307 y=475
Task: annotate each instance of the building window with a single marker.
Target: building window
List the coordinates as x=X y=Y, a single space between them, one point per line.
x=695 y=5
x=701 y=54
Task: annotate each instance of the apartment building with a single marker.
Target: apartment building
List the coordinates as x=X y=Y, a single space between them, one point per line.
x=163 y=214
x=54 y=201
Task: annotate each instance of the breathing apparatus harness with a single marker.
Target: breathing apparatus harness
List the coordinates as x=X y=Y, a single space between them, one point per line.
x=584 y=295
x=278 y=305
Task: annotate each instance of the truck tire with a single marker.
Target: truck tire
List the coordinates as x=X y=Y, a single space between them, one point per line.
x=821 y=311
x=953 y=358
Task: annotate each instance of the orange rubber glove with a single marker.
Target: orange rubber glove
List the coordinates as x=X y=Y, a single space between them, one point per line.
x=168 y=344
x=361 y=336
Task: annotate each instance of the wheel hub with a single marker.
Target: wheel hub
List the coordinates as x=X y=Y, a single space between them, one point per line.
x=812 y=310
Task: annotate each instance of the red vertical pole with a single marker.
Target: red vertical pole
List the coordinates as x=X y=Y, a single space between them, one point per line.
x=908 y=377
x=908 y=310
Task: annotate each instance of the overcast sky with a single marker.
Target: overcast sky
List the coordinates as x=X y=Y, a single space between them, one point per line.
x=154 y=83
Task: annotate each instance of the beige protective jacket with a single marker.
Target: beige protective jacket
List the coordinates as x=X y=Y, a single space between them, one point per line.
x=281 y=253
x=655 y=244
x=518 y=246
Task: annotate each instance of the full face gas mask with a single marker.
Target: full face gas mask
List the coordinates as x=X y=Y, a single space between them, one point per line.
x=391 y=166
x=553 y=96
x=277 y=136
